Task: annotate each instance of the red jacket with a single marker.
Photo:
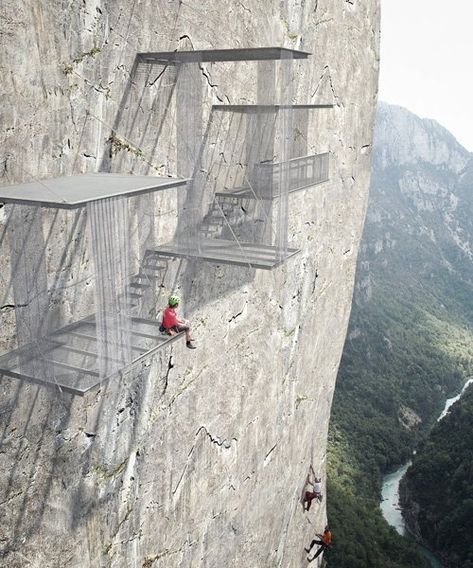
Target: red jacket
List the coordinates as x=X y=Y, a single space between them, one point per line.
x=169 y=318
x=327 y=538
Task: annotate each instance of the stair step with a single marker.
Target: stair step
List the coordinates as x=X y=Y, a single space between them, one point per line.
x=153 y=254
x=135 y=295
x=151 y=276
x=150 y=266
x=153 y=258
x=231 y=198
x=138 y=285
x=215 y=220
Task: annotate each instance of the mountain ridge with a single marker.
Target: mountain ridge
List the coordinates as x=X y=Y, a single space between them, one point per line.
x=423 y=138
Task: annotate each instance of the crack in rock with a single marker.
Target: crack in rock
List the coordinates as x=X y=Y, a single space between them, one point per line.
x=266 y=457
x=166 y=376
x=222 y=443
x=11 y=497
x=152 y=83
x=233 y=318
x=185 y=36
x=326 y=73
x=184 y=470
x=150 y=560
x=244 y=7
x=206 y=74
x=315 y=281
x=13 y=306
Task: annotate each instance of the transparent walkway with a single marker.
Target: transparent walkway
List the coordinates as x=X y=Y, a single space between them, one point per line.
x=214 y=55
x=68 y=357
x=222 y=251
x=300 y=173
x=69 y=192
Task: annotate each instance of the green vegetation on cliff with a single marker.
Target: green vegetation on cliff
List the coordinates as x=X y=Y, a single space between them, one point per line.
x=440 y=482
x=386 y=399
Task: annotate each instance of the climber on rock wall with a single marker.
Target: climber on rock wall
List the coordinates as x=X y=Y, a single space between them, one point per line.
x=325 y=542
x=172 y=325
x=313 y=489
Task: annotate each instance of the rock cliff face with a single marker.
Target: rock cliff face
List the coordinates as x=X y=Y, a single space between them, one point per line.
x=421 y=197
x=403 y=138
x=192 y=458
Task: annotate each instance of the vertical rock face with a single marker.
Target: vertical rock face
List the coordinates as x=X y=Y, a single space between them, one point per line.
x=404 y=139
x=192 y=458
x=421 y=197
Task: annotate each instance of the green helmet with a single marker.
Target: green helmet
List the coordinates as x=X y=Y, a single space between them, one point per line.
x=173 y=301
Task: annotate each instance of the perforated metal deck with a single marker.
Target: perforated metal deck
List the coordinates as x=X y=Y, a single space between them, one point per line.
x=222 y=251
x=214 y=55
x=68 y=357
x=68 y=192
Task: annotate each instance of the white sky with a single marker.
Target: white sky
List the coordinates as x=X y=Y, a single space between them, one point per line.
x=427 y=61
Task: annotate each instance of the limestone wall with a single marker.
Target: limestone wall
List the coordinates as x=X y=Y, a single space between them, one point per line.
x=193 y=458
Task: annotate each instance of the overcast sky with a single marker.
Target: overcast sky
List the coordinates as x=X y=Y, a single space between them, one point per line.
x=427 y=61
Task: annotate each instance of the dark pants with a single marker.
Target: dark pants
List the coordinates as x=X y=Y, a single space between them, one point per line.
x=323 y=546
x=309 y=496
x=177 y=328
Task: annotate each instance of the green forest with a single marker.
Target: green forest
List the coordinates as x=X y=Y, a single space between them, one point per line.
x=370 y=434
x=441 y=482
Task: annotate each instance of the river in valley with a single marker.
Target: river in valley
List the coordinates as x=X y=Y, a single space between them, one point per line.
x=390 y=492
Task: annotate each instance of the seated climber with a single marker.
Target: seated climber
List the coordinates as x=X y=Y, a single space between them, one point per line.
x=313 y=490
x=325 y=542
x=172 y=325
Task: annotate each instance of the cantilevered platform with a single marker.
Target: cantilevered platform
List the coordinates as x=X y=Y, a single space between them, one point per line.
x=68 y=192
x=214 y=55
x=68 y=358
x=269 y=108
x=301 y=173
x=222 y=251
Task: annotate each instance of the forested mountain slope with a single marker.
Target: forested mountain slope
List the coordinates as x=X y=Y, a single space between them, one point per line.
x=410 y=339
x=438 y=488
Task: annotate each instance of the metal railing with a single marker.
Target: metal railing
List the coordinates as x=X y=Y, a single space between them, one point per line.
x=301 y=172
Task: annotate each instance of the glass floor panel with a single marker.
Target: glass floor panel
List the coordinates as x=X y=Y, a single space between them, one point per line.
x=68 y=358
x=214 y=55
x=222 y=251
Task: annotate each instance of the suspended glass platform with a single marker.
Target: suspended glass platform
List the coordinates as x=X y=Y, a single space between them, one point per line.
x=224 y=55
x=221 y=251
x=100 y=268
x=69 y=357
x=69 y=192
x=269 y=108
